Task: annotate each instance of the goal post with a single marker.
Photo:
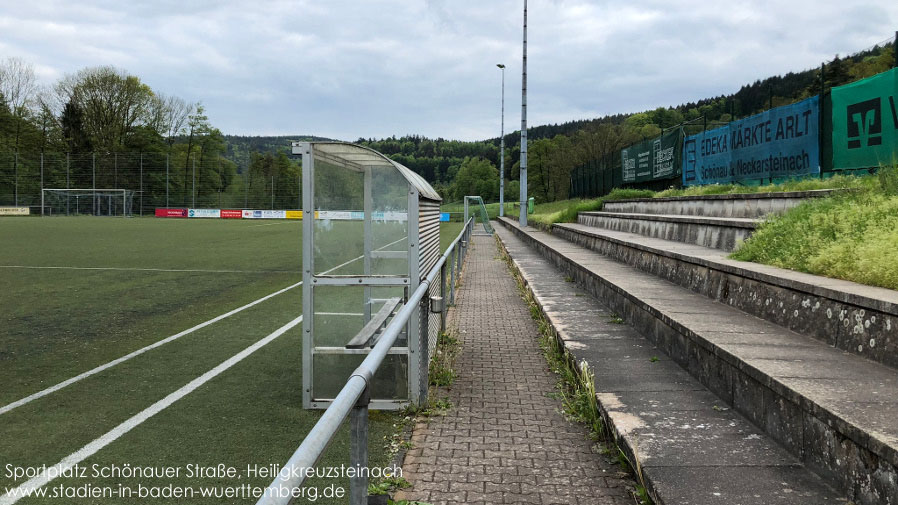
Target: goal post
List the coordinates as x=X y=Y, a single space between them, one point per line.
x=86 y=202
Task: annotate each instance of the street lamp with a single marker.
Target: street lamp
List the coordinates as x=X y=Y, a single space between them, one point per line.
x=502 y=149
x=523 y=216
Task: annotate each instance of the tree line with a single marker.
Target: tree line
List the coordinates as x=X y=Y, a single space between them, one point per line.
x=107 y=112
x=460 y=168
x=104 y=109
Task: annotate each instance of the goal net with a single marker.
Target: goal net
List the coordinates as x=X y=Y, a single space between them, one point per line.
x=86 y=202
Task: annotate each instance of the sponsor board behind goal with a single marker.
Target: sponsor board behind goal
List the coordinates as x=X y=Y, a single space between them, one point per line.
x=14 y=211
x=264 y=214
x=213 y=213
x=165 y=212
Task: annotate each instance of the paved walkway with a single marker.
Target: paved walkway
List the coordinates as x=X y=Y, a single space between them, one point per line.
x=504 y=440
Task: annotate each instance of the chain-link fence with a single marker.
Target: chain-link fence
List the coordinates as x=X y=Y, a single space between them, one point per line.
x=157 y=180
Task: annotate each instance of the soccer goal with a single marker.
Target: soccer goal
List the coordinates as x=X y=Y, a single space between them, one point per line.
x=86 y=202
x=474 y=207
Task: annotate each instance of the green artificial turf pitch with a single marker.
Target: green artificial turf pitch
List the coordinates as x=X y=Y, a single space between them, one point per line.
x=118 y=285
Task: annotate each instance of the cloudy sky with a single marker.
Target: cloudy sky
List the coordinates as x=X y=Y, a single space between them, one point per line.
x=348 y=69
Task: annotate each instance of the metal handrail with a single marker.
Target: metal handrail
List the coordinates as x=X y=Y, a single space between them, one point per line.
x=354 y=398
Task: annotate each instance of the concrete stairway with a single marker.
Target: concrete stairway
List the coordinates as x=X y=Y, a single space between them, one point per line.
x=717 y=232
x=810 y=363
x=716 y=221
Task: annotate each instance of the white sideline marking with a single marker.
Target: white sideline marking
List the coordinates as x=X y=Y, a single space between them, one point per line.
x=12 y=496
x=57 y=387
x=129 y=269
x=267 y=224
x=52 y=389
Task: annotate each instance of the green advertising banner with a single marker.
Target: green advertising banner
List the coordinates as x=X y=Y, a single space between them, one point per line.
x=652 y=160
x=865 y=122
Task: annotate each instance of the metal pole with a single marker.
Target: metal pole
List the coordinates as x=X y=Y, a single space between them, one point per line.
x=96 y=211
x=895 y=48
x=193 y=189
x=166 y=179
x=141 y=184
x=358 y=450
x=16 y=178
x=820 y=106
x=272 y=192
x=67 y=197
x=42 y=184
x=502 y=149
x=523 y=215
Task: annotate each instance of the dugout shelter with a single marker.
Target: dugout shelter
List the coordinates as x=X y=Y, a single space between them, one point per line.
x=371 y=233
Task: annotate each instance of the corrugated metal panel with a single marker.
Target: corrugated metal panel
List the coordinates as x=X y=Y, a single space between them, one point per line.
x=429 y=248
x=428 y=235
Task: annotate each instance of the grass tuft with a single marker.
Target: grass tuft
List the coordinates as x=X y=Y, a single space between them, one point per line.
x=851 y=236
x=442 y=373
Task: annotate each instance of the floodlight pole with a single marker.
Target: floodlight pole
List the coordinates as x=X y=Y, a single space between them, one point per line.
x=523 y=218
x=502 y=149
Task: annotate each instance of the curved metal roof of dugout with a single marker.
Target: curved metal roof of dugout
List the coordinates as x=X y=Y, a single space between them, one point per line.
x=361 y=156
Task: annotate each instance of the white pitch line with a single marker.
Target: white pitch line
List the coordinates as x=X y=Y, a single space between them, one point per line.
x=39 y=481
x=267 y=224
x=130 y=269
x=68 y=382
x=52 y=389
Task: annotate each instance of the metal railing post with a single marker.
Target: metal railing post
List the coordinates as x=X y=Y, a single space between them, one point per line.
x=452 y=275
x=424 y=350
x=358 y=449
x=443 y=296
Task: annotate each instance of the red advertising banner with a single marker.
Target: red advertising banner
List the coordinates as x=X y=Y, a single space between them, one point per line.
x=231 y=214
x=171 y=212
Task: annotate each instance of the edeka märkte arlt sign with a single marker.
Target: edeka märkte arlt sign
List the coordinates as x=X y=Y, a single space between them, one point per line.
x=865 y=122
x=654 y=159
x=780 y=142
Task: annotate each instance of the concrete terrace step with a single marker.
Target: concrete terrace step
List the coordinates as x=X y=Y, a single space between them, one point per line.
x=718 y=232
x=692 y=449
x=834 y=411
x=748 y=205
x=853 y=317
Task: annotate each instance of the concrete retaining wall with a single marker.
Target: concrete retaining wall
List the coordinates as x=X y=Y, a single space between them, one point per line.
x=691 y=231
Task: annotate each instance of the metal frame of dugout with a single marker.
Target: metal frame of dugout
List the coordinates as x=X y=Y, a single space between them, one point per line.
x=371 y=233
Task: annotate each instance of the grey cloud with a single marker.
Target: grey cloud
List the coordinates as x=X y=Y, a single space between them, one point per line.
x=350 y=69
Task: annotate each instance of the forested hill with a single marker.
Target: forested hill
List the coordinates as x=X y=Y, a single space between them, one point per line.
x=456 y=168
x=239 y=148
